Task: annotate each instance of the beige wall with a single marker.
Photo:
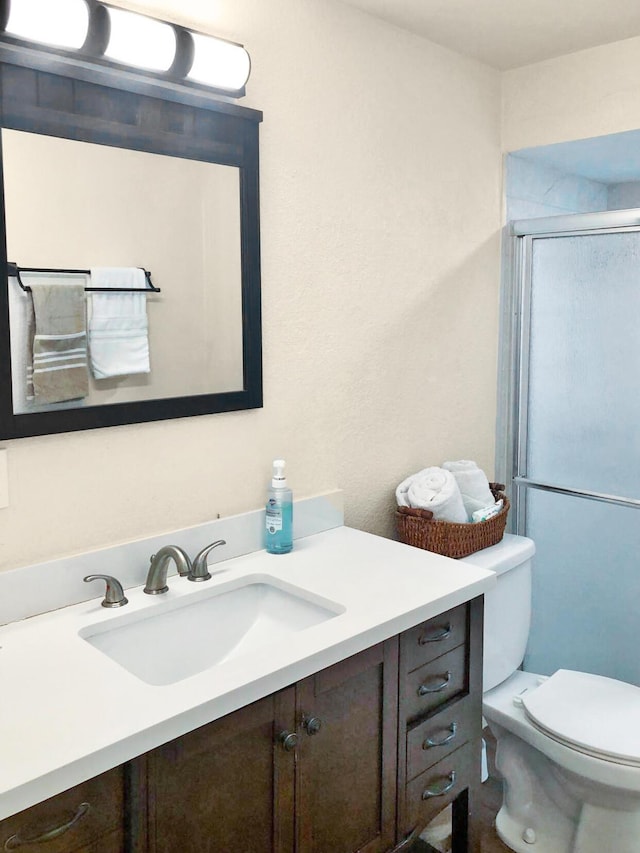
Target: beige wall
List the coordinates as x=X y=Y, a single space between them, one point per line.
x=589 y=93
x=380 y=206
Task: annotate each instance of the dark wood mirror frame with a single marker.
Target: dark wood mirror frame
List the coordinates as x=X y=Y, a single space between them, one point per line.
x=54 y=94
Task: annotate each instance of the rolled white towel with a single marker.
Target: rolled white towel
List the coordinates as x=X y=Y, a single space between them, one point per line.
x=434 y=489
x=473 y=484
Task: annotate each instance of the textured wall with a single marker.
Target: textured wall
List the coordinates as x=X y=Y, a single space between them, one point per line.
x=380 y=205
x=588 y=93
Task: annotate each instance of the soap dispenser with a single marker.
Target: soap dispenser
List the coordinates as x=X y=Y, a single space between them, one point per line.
x=279 y=512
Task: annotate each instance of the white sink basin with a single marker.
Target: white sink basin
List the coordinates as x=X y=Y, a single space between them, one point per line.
x=172 y=640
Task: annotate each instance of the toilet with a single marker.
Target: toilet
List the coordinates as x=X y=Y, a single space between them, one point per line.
x=568 y=745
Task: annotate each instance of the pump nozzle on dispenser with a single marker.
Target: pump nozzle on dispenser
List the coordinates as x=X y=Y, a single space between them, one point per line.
x=278 y=481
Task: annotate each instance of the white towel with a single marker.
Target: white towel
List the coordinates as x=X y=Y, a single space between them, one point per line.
x=118 y=327
x=434 y=489
x=473 y=484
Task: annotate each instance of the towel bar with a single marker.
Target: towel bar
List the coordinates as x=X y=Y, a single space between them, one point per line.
x=14 y=271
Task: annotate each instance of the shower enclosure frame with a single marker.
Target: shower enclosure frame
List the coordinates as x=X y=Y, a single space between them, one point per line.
x=514 y=340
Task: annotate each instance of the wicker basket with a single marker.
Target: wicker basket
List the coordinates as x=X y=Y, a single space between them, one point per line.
x=417 y=527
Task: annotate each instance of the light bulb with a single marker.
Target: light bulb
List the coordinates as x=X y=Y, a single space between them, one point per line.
x=140 y=41
x=62 y=24
x=219 y=63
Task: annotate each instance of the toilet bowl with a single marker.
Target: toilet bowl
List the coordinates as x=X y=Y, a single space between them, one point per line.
x=568 y=745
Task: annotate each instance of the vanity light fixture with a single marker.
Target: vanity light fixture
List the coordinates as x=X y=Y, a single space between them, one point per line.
x=219 y=63
x=140 y=41
x=64 y=23
x=109 y=37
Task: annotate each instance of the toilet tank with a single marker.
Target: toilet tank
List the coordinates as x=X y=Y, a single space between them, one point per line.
x=507 y=607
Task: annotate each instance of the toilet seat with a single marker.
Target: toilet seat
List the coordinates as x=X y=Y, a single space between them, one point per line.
x=590 y=713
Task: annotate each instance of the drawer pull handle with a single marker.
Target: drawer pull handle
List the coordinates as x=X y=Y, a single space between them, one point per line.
x=15 y=841
x=443 y=788
x=430 y=742
x=425 y=689
x=438 y=636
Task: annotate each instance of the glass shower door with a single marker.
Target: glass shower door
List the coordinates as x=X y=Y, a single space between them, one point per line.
x=578 y=456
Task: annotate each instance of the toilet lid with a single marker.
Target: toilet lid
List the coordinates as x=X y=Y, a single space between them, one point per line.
x=590 y=713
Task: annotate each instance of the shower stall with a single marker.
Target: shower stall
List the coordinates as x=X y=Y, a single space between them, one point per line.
x=569 y=432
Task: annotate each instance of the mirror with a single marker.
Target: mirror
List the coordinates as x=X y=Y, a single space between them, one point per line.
x=97 y=177
x=72 y=204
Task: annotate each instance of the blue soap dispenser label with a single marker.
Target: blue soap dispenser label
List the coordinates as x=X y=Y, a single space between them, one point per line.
x=274 y=516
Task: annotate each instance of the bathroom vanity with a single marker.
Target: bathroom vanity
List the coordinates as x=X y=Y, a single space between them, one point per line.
x=348 y=736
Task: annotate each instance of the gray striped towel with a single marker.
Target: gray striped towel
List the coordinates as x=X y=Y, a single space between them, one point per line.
x=60 y=342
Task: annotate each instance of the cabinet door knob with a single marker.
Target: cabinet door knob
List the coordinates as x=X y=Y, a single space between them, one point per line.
x=289 y=740
x=424 y=689
x=312 y=725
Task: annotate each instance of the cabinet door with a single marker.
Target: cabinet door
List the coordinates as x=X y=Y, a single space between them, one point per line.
x=346 y=777
x=228 y=786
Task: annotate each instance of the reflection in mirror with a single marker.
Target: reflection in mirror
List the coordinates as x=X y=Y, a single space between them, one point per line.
x=75 y=205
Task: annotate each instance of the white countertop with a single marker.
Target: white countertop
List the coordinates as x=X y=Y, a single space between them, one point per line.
x=68 y=712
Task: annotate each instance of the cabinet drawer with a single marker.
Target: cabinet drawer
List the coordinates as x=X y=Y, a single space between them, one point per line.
x=434 y=638
x=78 y=819
x=428 y=742
x=435 y=683
x=438 y=786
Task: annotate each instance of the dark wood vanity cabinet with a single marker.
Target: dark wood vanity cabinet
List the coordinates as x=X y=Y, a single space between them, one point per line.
x=227 y=786
x=347 y=758
x=357 y=758
x=354 y=759
x=311 y=768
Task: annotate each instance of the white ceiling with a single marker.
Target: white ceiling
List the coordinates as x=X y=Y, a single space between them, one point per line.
x=510 y=33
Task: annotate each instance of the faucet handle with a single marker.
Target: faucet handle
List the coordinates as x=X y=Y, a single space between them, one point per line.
x=200 y=570
x=114 y=595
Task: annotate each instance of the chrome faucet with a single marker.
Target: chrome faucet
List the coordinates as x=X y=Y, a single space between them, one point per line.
x=157 y=575
x=159 y=566
x=200 y=570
